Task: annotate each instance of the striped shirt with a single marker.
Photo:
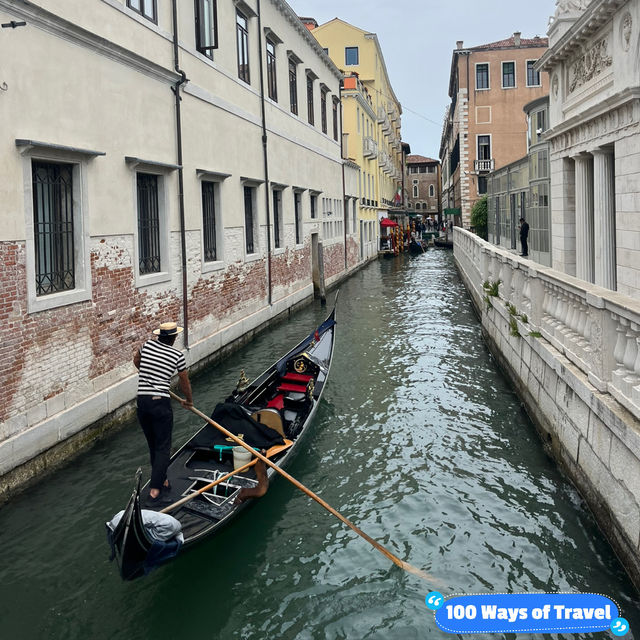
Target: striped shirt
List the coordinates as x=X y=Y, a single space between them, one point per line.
x=158 y=363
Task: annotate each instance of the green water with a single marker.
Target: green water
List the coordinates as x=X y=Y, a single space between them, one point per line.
x=419 y=440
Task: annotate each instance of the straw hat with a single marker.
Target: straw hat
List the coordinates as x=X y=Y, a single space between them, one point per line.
x=168 y=329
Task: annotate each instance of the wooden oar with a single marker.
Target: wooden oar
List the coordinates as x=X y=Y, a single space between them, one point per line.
x=271 y=452
x=374 y=543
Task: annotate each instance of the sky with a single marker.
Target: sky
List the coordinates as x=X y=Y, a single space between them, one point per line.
x=417 y=39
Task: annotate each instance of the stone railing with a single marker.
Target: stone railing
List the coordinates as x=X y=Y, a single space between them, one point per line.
x=596 y=329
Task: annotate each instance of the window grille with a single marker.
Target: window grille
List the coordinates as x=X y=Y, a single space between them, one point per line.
x=248 y=218
x=148 y=224
x=209 y=221
x=53 y=227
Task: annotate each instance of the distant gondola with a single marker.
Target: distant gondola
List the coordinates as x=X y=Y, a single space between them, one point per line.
x=273 y=412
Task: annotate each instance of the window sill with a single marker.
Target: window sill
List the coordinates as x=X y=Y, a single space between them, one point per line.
x=483 y=89
x=155 y=278
x=252 y=257
x=509 y=87
x=54 y=300
x=533 y=86
x=208 y=267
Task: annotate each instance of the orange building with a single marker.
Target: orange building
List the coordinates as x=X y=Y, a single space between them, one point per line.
x=485 y=127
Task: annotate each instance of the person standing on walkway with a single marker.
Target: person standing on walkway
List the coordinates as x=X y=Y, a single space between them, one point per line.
x=524 y=235
x=157 y=361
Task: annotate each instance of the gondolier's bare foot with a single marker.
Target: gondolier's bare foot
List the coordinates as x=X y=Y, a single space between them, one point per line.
x=259 y=490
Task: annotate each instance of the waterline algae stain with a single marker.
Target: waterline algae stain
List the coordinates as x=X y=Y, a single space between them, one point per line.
x=419 y=440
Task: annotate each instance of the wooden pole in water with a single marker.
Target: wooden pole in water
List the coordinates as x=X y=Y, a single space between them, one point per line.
x=374 y=543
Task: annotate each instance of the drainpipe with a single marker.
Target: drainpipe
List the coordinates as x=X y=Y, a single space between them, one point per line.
x=344 y=191
x=265 y=154
x=183 y=241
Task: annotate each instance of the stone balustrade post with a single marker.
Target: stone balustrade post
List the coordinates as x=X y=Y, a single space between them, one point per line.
x=537 y=298
x=603 y=340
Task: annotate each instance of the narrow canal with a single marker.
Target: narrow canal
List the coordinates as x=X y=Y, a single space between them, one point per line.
x=420 y=440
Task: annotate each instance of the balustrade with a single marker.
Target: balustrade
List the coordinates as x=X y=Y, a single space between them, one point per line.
x=592 y=327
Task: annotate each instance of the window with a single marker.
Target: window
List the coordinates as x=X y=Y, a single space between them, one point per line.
x=482 y=185
x=415 y=190
x=277 y=218
x=335 y=118
x=293 y=86
x=314 y=206
x=508 y=75
x=432 y=191
x=148 y=224
x=533 y=76
x=206 y=27
x=147 y=8
x=323 y=108
x=484 y=147
x=53 y=227
x=351 y=55
x=325 y=50
x=209 y=230
x=249 y=219
x=297 y=211
x=271 y=71
x=310 y=114
x=243 y=46
x=482 y=76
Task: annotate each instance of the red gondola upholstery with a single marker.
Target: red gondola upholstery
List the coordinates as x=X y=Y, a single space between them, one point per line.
x=276 y=403
x=294 y=388
x=290 y=376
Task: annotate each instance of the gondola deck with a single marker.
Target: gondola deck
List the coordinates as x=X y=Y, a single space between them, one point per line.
x=283 y=401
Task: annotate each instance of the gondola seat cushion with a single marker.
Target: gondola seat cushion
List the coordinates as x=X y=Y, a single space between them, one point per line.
x=276 y=403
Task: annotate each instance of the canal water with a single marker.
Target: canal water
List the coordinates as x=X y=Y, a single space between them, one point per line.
x=420 y=440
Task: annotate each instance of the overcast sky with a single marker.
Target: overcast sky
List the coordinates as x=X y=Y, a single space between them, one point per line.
x=417 y=38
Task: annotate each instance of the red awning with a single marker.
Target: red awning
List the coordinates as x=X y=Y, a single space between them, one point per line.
x=385 y=222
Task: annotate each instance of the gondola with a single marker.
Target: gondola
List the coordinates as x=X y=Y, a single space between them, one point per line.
x=273 y=413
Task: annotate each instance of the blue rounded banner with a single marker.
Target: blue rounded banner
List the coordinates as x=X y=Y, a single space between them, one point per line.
x=526 y=612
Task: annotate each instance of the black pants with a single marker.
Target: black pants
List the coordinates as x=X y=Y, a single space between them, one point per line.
x=525 y=246
x=156 y=419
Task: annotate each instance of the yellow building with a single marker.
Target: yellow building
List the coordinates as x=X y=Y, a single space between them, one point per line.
x=371 y=117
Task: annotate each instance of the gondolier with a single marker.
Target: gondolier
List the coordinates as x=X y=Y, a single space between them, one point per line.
x=157 y=361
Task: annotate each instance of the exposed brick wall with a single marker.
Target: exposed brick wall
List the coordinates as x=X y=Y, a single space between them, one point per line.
x=353 y=252
x=292 y=267
x=228 y=291
x=123 y=315
x=333 y=259
x=52 y=359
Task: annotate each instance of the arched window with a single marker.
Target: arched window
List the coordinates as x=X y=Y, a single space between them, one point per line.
x=418 y=206
x=415 y=190
x=431 y=191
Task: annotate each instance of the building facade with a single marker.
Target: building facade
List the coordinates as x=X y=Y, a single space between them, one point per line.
x=522 y=189
x=371 y=119
x=594 y=138
x=423 y=186
x=154 y=180
x=484 y=127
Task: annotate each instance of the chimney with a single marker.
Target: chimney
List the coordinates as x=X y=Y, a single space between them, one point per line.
x=460 y=44
x=516 y=38
x=310 y=23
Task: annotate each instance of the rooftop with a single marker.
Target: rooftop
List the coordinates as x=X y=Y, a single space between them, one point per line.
x=415 y=159
x=514 y=42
